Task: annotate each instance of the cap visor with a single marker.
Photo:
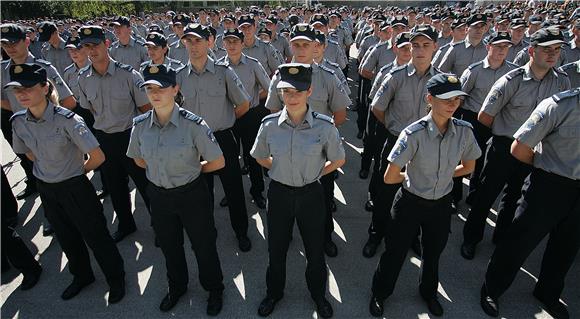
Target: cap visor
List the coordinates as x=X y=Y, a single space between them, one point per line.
x=21 y=84
x=398 y=23
x=421 y=34
x=301 y=37
x=300 y=86
x=502 y=41
x=476 y=22
x=548 y=43
x=316 y=22
x=400 y=45
x=162 y=84
x=70 y=46
x=91 y=40
x=451 y=94
x=11 y=40
x=193 y=34
x=115 y=23
x=244 y=23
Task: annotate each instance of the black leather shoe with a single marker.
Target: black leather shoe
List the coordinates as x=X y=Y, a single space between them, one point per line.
x=468 y=250
x=267 y=306
x=434 y=307
x=121 y=234
x=28 y=191
x=75 y=287
x=101 y=193
x=245 y=170
x=330 y=249
x=359 y=135
x=224 y=202
x=489 y=305
x=324 y=308
x=376 y=307
x=260 y=201
x=556 y=309
x=370 y=248
x=116 y=291
x=244 y=243
x=363 y=173
x=169 y=301
x=47 y=230
x=31 y=278
x=214 y=303
x=369 y=205
x=332 y=206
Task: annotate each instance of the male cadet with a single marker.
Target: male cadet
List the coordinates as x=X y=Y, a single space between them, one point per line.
x=573 y=47
x=214 y=19
x=397 y=104
x=280 y=43
x=509 y=103
x=15 y=44
x=471 y=50
x=339 y=34
x=35 y=46
x=157 y=50
x=127 y=49
x=459 y=32
x=573 y=71
x=110 y=90
x=518 y=31
x=228 y=22
x=255 y=81
x=535 y=24
x=215 y=93
x=54 y=51
x=177 y=49
x=477 y=81
x=256 y=48
x=446 y=34
x=370 y=40
x=333 y=52
x=328 y=97
x=319 y=47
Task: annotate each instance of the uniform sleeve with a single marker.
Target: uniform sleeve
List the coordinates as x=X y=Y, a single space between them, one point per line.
x=371 y=61
x=134 y=148
x=18 y=145
x=273 y=58
x=472 y=150
x=80 y=134
x=83 y=100
x=385 y=94
x=237 y=94
x=522 y=58
x=339 y=99
x=379 y=78
x=261 y=76
x=448 y=59
x=273 y=102
x=541 y=122
x=467 y=81
x=404 y=150
x=334 y=149
x=342 y=60
x=347 y=37
x=497 y=97
x=362 y=49
x=139 y=95
x=206 y=143
x=437 y=58
x=61 y=87
x=261 y=149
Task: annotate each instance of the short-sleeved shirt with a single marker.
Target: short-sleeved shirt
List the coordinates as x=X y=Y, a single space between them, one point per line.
x=133 y=54
x=341 y=35
x=168 y=62
x=523 y=57
x=178 y=51
x=379 y=56
x=366 y=43
x=71 y=78
x=335 y=54
x=58 y=56
x=51 y=73
x=112 y=98
x=252 y=74
x=299 y=152
x=514 y=49
x=555 y=123
x=58 y=142
x=478 y=79
x=399 y=97
x=438 y=57
x=573 y=71
x=336 y=68
x=572 y=51
x=461 y=55
x=172 y=152
x=282 y=45
x=265 y=53
x=212 y=94
x=380 y=77
x=431 y=157
x=441 y=40
x=328 y=95
x=515 y=95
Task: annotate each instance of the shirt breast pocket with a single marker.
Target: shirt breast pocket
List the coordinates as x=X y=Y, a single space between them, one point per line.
x=121 y=101
x=181 y=158
x=54 y=146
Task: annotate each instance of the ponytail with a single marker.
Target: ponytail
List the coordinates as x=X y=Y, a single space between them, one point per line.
x=52 y=95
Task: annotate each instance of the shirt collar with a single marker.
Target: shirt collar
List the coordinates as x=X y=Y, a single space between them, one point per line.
x=469 y=44
x=486 y=63
x=174 y=119
x=209 y=66
x=528 y=75
x=308 y=118
x=243 y=60
x=48 y=114
x=411 y=69
x=432 y=129
x=573 y=44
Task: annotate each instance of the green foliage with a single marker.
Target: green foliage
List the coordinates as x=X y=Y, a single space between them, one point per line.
x=65 y=9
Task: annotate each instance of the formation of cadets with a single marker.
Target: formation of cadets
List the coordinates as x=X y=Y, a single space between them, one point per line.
x=171 y=100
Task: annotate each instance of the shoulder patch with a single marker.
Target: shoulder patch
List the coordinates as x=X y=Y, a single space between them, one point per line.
x=332 y=41
x=17 y=114
x=566 y=94
x=415 y=127
x=190 y=116
x=64 y=112
x=142 y=117
x=459 y=122
x=472 y=66
x=41 y=61
x=180 y=68
x=517 y=72
x=271 y=116
x=333 y=64
x=123 y=66
x=323 y=117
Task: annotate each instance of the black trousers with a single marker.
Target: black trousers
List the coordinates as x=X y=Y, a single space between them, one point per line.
x=369 y=141
x=550 y=205
x=500 y=169
x=409 y=214
x=76 y=215
x=26 y=164
x=305 y=205
x=231 y=179
x=363 y=107
x=116 y=169
x=246 y=128
x=14 y=251
x=172 y=212
x=327 y=182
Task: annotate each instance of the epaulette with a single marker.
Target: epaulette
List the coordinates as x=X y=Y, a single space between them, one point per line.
x=332 y=41
x=380 y=44
x=386 y=67
x=397 y=69
x=180 y=68
x=271 y=116
x=325 y=68
x=323 y=117
x=569 y=66
x=333 y=64
x=5 y=61
x=84 y=69
x=64 y=112
x=561 y=72
x=566 y=94
x=142 y=117
x=68 y=67
x=459 y=122
x=416 y=127
x=145 y=63
x=17 y=114
x=512 y=74
x=139 y=41
x=250 y=58
x=123 y=66
x=472 y=66
x=190 y=116
x=512 y=64
x=222 y=61
x=41 y=61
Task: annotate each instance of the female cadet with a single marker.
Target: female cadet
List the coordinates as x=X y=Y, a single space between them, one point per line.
x=168 y=142
x=298 y=146
x=56 y=140
x=157 y=50
x=430 y=148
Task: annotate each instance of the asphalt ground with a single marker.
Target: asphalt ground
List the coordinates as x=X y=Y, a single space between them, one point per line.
x=349 y=275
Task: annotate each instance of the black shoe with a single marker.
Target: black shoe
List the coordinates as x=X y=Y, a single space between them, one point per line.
x=214 y=303
x=267 y=306
x=369 y=205
x=489 y=305
x=359 y=135
x=116 y=291
x=468 y=250
x=332 y=206
x=101 y=193
x=244 y=243
x=31 y=278
x=75 y=287
x=556 y=309
x=370 y=248
x=363 y=173
x=260 y=201
x=245 y=170
x=47 y=230
x=169 y=301
x=324 y=308
x=416 y=247
x=330 y=249
x=376 y=307
x=434 y=307
x=121 y=234
x=28 y=191
x=224 y=202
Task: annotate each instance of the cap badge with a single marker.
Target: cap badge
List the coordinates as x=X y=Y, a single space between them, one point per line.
x=293 y=71
x=452 y=79
x=479 y=16
x=151 y=36
x=40 y=30
x=302 y=28
x=4 y=30
x=153 y=69
x=87 y=31
x=18 y=69
x=232 y=30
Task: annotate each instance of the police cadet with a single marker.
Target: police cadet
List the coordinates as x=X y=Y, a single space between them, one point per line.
x=168 y=142
x=110 y=90
x=215 y=93
x=509 y=103
x=279 y=42
x=333 y=52
x=370 y=40
x=573 y=71
x=157 y=50
x=127 y=49
x=298 y=145
x=54 y=50
x=555 y=175
x=319 y=48
x=430 y=149
x=328 y=97
x=459 y=32
x=518 y=28
x=256 y=82
x=468 y=51
x=56 y=140
x=339 y=34
x=477 y=81
x=256 y=48
x=177 y=49
x=396 y=105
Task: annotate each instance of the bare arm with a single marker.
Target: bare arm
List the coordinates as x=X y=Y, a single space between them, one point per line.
x=366 y=74
x=485 y=119
x=393 y=174
x=331 y=166
x=140 y=162
x=465 y=168
x=69 y=102
x=265 y=162
x=339 y=117
x=212 y=166
x=522 y=152
x=30 y=156
x=242 y=109
x=5 y=104
x=96 y=158
x=380 y=115
x=145 y=108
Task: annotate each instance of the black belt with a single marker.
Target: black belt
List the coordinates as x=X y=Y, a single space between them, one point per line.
x=557 y=179
x=296 y=188
x=179 y=189
x=425 y=201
